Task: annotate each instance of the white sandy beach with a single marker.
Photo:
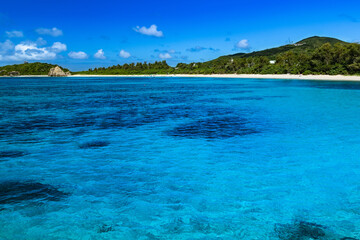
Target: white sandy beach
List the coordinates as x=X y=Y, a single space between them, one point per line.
x=255 y=76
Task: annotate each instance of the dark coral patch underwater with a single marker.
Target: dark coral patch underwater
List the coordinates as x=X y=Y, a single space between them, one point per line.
x=11 y=154
x=215 y=128
x=16 y=191
x=247 y=98
x=302 y=230
x=94 y=144
x=131 y=118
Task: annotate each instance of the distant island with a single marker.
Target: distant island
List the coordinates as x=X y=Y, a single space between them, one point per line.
x=36 y=68
x=311 y=56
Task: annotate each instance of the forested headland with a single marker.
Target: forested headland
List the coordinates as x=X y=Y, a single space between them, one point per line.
x=315 y=55
x=35 y=68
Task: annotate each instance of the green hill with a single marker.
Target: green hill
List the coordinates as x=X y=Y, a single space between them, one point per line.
x=307 y=44
x=35 y=68
x=319 y=41
x=314 y=55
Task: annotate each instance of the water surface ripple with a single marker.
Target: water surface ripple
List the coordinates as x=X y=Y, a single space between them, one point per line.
x=179 y=158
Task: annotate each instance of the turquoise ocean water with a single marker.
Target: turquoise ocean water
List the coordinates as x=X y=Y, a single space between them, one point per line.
x=179 y=158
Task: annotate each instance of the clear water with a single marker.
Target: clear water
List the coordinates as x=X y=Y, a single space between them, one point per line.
x=179 y=158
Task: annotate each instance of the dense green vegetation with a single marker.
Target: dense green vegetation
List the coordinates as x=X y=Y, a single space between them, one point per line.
x=36 y=68
x=327 y=59
x=138 y=68
x=315 y=55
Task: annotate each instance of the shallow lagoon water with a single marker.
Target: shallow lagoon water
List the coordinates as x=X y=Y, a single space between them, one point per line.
x=179 y=158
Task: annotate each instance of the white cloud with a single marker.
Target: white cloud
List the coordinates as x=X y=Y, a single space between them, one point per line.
x=41 y=42
x=151 y=31
x=29 y=51
x=14 y=33
x=124 y=54
x=58 y=47
x=100 y=54
x=200 y=48
x=6 y=46
x=78 y=55
x=165 y=56
x=55 y=32
x=243 y=44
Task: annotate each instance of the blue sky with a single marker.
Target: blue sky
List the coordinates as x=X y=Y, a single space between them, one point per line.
x=81 y=34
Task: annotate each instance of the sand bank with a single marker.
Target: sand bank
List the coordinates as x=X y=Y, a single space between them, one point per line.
x=256 y=76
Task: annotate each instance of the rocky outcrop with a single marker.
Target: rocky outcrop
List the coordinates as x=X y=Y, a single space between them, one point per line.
x=14 y=73
x=57 y=72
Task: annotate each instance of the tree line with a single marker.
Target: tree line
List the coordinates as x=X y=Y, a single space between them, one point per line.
x=327 y=59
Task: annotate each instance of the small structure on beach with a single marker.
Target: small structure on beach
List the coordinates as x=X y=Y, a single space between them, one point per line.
x=298 y=44
x=58 y=72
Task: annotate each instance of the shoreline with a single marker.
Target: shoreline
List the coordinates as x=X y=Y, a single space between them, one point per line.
x=243 y=76
x=240 y=76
